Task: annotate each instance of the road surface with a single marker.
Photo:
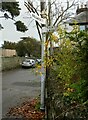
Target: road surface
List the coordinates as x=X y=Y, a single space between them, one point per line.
x=18 y=86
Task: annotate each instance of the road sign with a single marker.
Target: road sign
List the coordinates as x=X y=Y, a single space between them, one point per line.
x=38 y=18
x=44 y=30
x=52 y=28
x=49 y=29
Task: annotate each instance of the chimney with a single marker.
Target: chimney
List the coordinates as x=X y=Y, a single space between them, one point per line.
x=78 y=7
x=82 y=5
x=82 y=8
x=85 y=5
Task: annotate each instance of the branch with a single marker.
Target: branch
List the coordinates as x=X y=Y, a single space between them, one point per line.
x=49 y=13
x=37 y=25
x=63 y=13
x=69 y=109
x=53 y=2
x=30 y=6
x=27 y=7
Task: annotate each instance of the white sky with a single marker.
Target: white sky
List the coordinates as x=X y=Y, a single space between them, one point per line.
x=9 y=32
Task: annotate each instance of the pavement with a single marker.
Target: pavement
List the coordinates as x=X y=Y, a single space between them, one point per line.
x=18 y=86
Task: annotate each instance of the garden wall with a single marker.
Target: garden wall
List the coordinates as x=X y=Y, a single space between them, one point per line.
x=8 y=63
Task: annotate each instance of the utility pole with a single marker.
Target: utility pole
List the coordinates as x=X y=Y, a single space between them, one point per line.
x=42 y=7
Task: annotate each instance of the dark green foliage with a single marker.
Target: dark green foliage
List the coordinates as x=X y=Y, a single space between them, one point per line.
x=9 y=45
x=29 y=46
x=82 y=59
x=20 y=26
x=21 y=50
x=12 y=8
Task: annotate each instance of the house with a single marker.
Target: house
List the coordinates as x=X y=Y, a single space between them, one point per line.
x=81 y=17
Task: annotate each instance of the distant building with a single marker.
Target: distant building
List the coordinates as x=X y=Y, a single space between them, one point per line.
x=7 y=52
x=81 y=17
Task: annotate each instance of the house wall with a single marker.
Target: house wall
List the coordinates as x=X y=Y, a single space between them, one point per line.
x=7 y=52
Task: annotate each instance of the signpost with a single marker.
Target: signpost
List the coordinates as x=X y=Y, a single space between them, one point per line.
x=49 y=29
x=38 y=18
x=42 y=20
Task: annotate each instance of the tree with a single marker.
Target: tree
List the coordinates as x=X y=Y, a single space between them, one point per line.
x=13 y=9
x=20 y=48
x=20 y=26
x=55 y=13
x=29 y=46
x=9 y=45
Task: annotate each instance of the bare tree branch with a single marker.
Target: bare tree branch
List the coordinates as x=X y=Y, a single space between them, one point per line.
x=27 y=7
x=37 y=25
x=30 y=6
x=63 y=13
x=57 y=14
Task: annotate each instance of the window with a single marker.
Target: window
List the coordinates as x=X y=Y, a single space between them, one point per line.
x=82 y=27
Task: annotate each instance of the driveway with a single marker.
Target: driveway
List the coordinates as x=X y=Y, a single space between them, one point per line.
x=18 y=86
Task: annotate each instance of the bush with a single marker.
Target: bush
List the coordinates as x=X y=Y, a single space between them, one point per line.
x=67 y=81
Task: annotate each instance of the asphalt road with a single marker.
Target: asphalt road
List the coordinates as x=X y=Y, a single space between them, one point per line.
x=18 y=86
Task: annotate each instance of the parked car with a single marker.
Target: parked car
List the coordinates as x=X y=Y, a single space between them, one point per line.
x=28 y=63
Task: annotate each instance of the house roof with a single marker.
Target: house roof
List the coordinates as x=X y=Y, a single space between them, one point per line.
x=80 y=19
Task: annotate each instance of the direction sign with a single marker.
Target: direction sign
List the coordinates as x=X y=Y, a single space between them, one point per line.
x=38 y=18
x=52 y=28
x=49 y=29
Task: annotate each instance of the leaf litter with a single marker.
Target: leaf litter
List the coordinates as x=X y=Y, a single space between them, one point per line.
x=27 y=111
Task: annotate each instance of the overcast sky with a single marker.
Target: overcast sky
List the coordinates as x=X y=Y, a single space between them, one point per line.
x=9 y=32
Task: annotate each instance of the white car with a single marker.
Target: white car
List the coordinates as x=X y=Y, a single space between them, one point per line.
x=28 y=63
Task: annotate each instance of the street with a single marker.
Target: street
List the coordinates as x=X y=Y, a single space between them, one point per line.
x=18 y=85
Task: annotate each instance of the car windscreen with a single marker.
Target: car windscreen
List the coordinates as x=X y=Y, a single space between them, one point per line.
x=27 y=60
